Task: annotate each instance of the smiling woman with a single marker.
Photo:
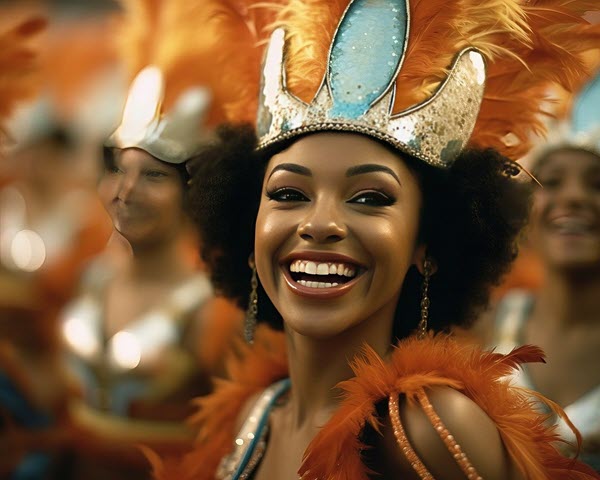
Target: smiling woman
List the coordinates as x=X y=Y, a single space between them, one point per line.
x=146 y=333
x=133 y=333
x=143 y=195
x=361 y=219
x=365 y=223
x=562 y=315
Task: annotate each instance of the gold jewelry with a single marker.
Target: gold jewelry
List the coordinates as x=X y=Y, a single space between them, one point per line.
x=252 y=310
x=422 y=328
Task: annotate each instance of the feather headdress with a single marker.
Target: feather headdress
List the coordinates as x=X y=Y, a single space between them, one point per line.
x=576 y=124
x=162 y=45
x=81 y=84
x=527 y=46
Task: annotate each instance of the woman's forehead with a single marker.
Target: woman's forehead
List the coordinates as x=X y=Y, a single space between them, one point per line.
x=337 y=151
x=570 y=160
x=137 y=156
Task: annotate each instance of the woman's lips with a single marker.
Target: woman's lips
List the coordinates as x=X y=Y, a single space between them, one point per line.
x=572 y=225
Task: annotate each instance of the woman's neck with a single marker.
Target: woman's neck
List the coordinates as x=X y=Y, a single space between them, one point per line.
x=318 y=365
x=567 y=300
x=166 y=261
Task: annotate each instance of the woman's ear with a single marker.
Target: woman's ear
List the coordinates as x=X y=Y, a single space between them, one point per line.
x=419 y=258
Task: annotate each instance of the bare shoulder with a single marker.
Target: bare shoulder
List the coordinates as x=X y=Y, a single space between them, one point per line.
x=468 y=429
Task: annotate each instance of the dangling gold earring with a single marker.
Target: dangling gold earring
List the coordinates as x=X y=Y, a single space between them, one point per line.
x=422 y=328
x=252 y=310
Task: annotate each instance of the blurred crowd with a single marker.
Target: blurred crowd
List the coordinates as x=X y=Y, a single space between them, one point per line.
x=108 y=322
x=106 y=331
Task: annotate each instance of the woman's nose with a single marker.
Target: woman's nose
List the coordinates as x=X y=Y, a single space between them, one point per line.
x=126 y=187
x=323 y=223
x=572 y=191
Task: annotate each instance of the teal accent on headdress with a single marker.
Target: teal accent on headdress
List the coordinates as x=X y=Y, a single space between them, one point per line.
x=586 y=111
x=366 y=55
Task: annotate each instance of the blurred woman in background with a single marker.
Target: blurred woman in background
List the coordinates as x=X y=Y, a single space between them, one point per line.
x=563 y=315
x=146 y=334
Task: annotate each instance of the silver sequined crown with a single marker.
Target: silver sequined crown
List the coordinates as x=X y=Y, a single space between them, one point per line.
x=357 y=93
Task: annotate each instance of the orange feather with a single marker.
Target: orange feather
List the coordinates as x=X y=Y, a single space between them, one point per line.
x=529 y=46
x=440 y=360
x=193 y=43
x=19 y=73
x=334 y=454
x=251 y=369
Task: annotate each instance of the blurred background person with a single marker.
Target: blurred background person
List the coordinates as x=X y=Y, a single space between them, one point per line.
x=21 y=410
x=562 y=315
x=62 y=261
x=145 y=334
x=52 y=221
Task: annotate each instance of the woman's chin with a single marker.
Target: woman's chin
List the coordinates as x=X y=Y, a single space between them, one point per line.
x=317 y=327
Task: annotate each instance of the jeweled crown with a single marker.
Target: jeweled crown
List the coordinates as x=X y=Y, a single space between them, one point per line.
x=174 y=137
x=357 y=92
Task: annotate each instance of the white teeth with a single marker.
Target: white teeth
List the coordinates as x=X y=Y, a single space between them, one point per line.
x=572 y=225
x=311 y=268
x=308 y=283
x=314 y=268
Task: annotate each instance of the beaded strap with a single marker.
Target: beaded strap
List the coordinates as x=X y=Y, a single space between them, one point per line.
x=403 y=442
x=453 y=447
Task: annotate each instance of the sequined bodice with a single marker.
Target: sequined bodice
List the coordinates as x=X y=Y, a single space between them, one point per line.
x=118 y=370
x=250 y=443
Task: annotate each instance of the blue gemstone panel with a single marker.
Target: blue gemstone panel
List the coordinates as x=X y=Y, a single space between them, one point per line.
x=366 y=52
x=586 y=112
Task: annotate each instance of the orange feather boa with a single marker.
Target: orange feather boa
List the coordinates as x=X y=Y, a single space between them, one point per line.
x=334 y=454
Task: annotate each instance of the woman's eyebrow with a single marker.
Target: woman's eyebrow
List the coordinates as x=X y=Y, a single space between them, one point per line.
x=292 y=167
x=371 y=167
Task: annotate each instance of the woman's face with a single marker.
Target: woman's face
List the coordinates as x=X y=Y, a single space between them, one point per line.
x=565 y=223
x=336 y=232
x=143 y=197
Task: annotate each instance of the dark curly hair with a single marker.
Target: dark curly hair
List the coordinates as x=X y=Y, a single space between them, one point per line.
x=470 y=222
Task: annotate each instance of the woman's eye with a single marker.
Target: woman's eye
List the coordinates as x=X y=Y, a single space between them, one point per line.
x=155 y=174
x=372 y=198
x=287 y=195
x=113 y=169
x=595 y=183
